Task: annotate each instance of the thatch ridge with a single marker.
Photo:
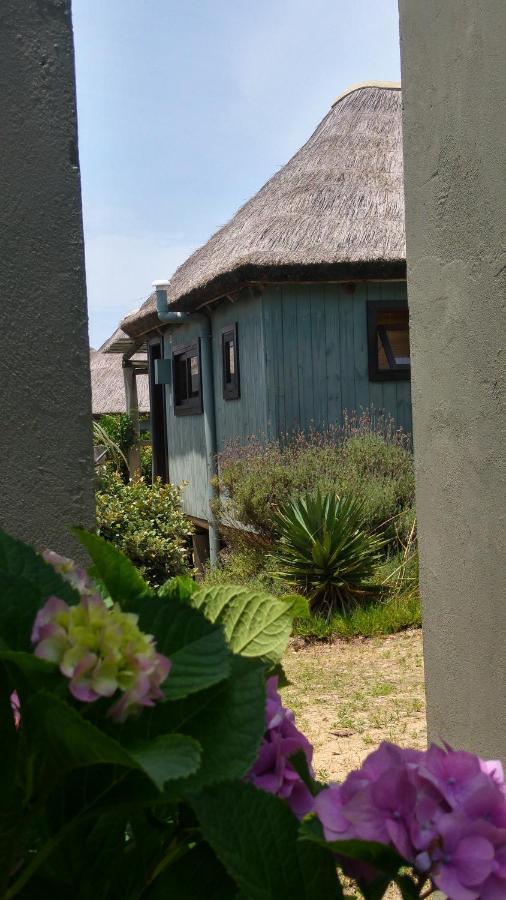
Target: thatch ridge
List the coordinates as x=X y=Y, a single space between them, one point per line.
x=334 y=211
x=387 y=85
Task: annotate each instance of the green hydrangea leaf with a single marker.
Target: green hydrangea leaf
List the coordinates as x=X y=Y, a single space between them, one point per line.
x=198 y=875
x=119 y=575
x=196 y=647
x=227 y=720
x=255 y=835
x=26 y=582
x=382 y=857
x=181 y=588
x=69 y=741
x=66 y=739
x=387 y=862
x=27 y=670
x=299 y=605
x=256 y=624
x=167 y=758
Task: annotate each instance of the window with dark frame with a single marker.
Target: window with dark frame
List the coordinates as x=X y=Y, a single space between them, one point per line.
x=187 y=380
x=388 y=339
x=230 y=362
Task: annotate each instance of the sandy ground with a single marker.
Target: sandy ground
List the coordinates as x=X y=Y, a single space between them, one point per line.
x=348 y=696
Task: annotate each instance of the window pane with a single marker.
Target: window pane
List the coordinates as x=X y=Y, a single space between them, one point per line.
x=231 y=360
x=180 y=385
x=392 y=338
x=194 y=376
x=382 y=357
x=399 y=342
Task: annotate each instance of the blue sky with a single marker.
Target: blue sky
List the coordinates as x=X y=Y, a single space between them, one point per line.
x=186 y=107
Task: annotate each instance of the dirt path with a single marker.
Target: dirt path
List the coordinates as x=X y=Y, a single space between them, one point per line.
x=348 y=696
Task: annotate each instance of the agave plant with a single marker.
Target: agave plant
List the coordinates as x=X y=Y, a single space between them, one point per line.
x=324 y=552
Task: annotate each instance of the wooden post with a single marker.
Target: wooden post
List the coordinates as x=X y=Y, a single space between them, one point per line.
x=132 y=408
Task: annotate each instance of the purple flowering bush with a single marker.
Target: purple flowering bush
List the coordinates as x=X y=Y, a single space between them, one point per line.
x=274 y=770
x=147 y=754
x=442 y=810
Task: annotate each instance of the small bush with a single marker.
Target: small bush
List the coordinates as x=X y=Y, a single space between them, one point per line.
x=146 y=522
x=121 y=432
x=147 y=463
x=366 y=458
x=324 y=553
x=241 y=563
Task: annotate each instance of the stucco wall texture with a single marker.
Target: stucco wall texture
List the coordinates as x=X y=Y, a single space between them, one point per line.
x=454 y=90
x=46 y=469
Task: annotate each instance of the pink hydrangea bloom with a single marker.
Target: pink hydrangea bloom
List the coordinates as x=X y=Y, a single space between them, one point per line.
x=102 y=652
x=16 y=709
x=272 y=770
x=443 y=810
x=68 y=570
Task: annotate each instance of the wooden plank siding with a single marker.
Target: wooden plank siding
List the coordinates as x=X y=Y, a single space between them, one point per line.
x=238 y=418
x=246 y=415
x=185 y=435
x=318 y=336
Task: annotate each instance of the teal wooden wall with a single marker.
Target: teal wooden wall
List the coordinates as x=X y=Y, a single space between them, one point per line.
x=243 y=417
x=303 y=361
x=316 y=356
x=247 y=415
x=185 y=436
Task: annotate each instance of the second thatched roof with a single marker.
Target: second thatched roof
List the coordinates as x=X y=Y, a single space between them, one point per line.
x=108 y=386
x=335 y=210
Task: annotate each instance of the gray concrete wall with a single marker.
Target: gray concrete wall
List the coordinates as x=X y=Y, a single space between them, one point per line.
x=454 y=90
x=46 y=471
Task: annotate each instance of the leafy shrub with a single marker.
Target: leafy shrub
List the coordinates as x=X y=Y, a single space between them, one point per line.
x=120 y=428
x=115 y=458
x=323 y=552
x=241 y=562
x=146 y=522
x=121 y=432
x=147 y=463
x=209 y=793
x=366 y=458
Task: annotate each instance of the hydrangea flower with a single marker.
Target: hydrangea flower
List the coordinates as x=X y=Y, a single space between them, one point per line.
x=16 y=709
x=68 y=570
x=272 y=770
x=100 y=650
x=444 y=811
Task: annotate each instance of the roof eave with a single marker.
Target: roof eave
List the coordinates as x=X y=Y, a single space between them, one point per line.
x=248 y=275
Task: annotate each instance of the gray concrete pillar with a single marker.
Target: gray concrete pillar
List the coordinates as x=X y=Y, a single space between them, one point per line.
x=454 y=119
x=46 y=455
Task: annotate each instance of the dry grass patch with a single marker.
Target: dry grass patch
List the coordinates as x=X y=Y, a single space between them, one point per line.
x=350 y=695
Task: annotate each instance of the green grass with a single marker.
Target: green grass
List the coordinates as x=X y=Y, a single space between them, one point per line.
x=379 y=618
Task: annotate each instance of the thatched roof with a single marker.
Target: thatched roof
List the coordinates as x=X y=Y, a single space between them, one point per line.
x=143 y=319
x=107 y=384
x=334 y=211
x=118 y=342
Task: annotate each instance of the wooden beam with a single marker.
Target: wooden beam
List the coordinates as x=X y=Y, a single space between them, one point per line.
x=132 y=408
